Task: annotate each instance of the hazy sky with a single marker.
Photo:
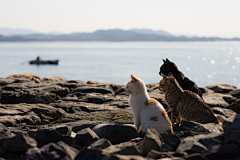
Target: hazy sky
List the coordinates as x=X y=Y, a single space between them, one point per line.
x=190 y=17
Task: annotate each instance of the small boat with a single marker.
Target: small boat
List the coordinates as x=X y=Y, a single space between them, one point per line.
x=39 y=61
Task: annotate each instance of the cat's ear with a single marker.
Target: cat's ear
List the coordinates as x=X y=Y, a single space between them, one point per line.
x=167 y=60
x=170 y=74
x=164 y=61
x=134 y=79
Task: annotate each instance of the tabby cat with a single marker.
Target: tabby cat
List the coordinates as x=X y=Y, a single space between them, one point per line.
x=185 y=104
x=147 y=111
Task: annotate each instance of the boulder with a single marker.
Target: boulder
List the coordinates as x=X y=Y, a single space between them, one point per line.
x=100 y=144
x=46 y=136
x=221 y=152
x=5 y=132
x=233 y=134
x=222 y=88
x=58 y=150
x=171 y=139
x=54 y=78
x=200 y=143
x=90 y=89
x=115 y=133
x=235 y=93
x=85 y=137
x=200 y=128
x=235 y=106
x=224 y=112
x=217 y=99
x=19 y=143
x=150 y=142
x=90 y=154
x=122 y=148
x=29 y=76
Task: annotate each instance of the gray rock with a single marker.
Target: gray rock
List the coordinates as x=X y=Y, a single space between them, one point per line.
x=200 y=128
x=227 y=124
x=19 y=143
x=100 y=144
x=216 y=99
x=172 y=155
x=224 y=112
x=222 y=152
x=90 y=154
x=235 y=106
x=46 y=136
x=125 y=157
x=58 y=150
x=88 y=89
x=200 y=143
x=235 y=93
x=122 y=148
x=151 y=141
x=85 y=137
x=171 y=139
x=222 y=88
x=5 y=132
x=115 y=133
x=233 y=134
x=195 y=156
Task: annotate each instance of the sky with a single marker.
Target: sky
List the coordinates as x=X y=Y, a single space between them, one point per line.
x=188 y=17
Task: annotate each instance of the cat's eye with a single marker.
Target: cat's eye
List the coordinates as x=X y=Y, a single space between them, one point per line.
x=127 y=86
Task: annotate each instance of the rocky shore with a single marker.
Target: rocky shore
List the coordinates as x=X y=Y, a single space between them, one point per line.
x=57 y=118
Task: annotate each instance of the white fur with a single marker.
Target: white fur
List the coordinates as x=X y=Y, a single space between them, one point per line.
x=142 y=114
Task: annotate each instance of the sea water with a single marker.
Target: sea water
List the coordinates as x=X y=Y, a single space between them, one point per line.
x=206 y=63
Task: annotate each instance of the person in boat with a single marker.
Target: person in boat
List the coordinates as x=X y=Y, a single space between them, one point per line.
x=38 y=60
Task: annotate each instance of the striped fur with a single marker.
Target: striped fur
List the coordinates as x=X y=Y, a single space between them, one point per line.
x=185 y=104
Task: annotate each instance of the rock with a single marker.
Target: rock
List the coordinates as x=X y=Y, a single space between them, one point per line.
x=19 y=143
x=222 y=88
x=217 y=99
x=221 y=152
x=5 y=132
x=54 y=78
x=125 y=157
x=46 y=136
x=89 y=89
x=115 y=133
x=151 y=141
x=235 y=106
x=235 y=93
x=233 y=134
x=195 y=156
x=200 y=128
x=224 y=112
x=200 y=143
x=161 y=155
x=100 y=144
x=122 y=148
x=58 y=150
x=85 y=137
x=29 y=76
x=227 y=124
x=90 y=154
x=171 y=139
x=31 y=114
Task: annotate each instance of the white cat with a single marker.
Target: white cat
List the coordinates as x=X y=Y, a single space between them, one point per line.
x=147 y=111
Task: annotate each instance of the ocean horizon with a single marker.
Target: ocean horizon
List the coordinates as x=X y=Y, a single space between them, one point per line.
x=206 y=63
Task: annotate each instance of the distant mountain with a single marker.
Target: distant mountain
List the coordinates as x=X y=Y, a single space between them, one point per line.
x=14 y=32
x=111 y=35
x=149 y=31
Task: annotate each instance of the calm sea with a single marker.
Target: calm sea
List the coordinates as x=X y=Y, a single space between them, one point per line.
x=206 y=63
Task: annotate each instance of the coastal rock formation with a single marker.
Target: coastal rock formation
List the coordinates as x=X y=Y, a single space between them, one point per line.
x=70 y=119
